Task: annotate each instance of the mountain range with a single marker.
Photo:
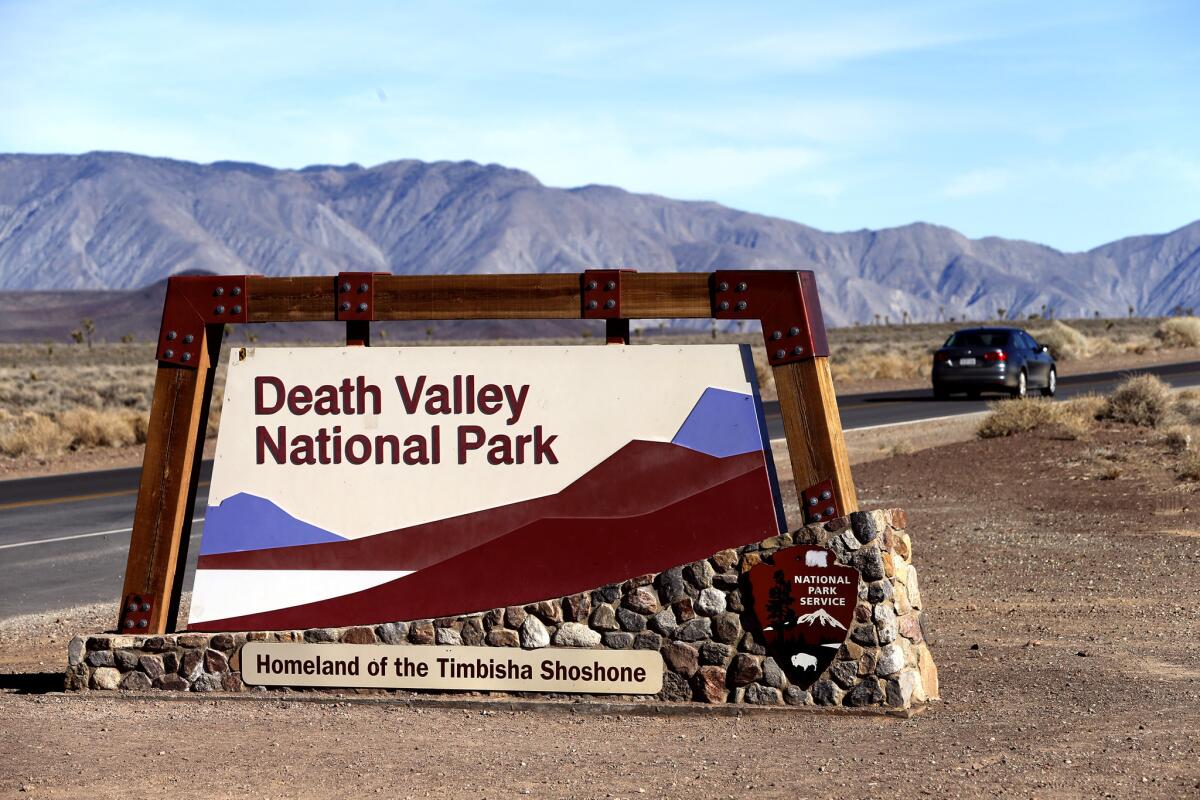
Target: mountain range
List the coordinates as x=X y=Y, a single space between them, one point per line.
x=115 y=221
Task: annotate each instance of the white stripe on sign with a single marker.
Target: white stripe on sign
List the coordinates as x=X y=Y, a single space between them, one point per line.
x=75 y=536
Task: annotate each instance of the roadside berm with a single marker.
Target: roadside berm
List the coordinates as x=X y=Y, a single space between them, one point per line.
x=699 y=616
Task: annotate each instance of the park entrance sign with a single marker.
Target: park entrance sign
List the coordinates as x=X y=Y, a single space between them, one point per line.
x=360 y=485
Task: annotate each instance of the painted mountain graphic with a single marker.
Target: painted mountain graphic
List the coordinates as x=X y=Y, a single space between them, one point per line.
x=722 y=423
x=248 y=522
x=819 y=617
x=648 y=507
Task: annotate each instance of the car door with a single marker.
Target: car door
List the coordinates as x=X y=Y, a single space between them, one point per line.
x=1038 y=363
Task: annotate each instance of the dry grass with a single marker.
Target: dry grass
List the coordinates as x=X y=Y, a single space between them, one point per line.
x=40 y=435
x=56 y=399
x=1142 y=400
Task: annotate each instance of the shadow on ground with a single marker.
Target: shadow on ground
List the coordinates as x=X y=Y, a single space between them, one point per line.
x=31 y=682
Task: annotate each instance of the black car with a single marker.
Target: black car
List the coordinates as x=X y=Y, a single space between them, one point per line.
x=1008 y=360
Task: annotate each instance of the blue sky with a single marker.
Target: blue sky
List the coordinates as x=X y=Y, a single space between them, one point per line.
x=1068 y=123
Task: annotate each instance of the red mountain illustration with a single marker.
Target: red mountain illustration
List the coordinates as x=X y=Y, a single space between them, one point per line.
x=648 y=507
x=638 y=478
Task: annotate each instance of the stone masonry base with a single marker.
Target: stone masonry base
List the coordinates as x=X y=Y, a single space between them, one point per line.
x=697 y=615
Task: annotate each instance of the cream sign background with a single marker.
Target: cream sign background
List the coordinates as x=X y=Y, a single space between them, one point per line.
x=588 y=397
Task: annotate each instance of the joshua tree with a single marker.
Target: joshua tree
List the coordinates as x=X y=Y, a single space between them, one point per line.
x=1131 y=311
x=941 y=313
x=876 y=319
x=1000 y=312
x=905 y=313
x=84 y=332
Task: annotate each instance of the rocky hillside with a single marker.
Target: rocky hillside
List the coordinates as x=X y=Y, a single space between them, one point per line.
x=119 y=221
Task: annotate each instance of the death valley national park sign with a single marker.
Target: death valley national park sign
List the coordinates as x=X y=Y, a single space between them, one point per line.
x=362 y=485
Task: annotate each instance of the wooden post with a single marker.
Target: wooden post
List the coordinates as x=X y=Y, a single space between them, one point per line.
x=813 y=429
x=166 y=495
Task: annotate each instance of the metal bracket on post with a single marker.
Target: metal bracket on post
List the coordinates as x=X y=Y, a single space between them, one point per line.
x=600 y=298
x=355 y=297
x=785 y=303
x=192 y=302
x=135 y=613
x=820 y=502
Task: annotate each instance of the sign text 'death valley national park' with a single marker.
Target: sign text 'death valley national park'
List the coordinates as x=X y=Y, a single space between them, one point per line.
x=364 y=485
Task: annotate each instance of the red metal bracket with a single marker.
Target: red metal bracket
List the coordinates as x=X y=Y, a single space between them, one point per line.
x=192 y=302
x=785 y=303
x=356 y=296
x=600 y=293
x=820 y=502
x=135 y=613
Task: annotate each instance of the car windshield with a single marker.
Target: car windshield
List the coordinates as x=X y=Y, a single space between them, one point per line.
x=978 y=339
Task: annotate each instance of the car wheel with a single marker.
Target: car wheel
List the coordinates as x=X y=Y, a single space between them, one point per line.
x=1051 y=383
x=940 y=393
x=1022 y=389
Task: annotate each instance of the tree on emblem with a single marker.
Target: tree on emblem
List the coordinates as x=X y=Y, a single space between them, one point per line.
x=779 y=601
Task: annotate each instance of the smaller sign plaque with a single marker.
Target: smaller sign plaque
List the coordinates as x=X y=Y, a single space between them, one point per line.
x=464 y=668
x=805 y=604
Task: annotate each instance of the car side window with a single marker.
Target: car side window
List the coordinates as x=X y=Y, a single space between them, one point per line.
x=1030 y=342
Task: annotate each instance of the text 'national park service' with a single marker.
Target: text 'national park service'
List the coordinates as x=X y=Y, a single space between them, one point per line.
x=496 y=405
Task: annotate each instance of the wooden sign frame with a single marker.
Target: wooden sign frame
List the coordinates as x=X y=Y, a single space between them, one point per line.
x=197 y=308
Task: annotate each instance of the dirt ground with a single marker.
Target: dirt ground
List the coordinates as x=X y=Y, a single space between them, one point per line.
x=1059 y=577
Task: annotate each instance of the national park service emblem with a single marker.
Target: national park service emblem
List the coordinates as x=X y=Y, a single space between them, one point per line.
x=804 y=603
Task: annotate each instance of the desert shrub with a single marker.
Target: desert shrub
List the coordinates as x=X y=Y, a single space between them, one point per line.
x=1179 y=332
x=1178 y=440
x=1065 y=343
x=1072 y=426
x=1070 y=420
x=1189 y=467
x=1187 y=406
x=139 y=423
x=31 y=434
x=1008 y=417
x=1143 y=400
x=1086 y=406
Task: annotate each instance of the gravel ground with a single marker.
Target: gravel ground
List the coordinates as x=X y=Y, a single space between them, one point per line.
x=1064 y=632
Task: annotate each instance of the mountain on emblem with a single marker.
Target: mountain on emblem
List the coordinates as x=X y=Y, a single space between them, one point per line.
x=819 y=617
x=799 y=579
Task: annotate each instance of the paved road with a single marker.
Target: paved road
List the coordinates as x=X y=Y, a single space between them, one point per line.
x=63 y=538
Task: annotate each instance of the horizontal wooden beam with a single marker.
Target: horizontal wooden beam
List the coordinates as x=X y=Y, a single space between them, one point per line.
x=432 y=297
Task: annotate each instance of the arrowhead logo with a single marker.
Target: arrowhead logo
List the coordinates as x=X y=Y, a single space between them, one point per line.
x=804 y=603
